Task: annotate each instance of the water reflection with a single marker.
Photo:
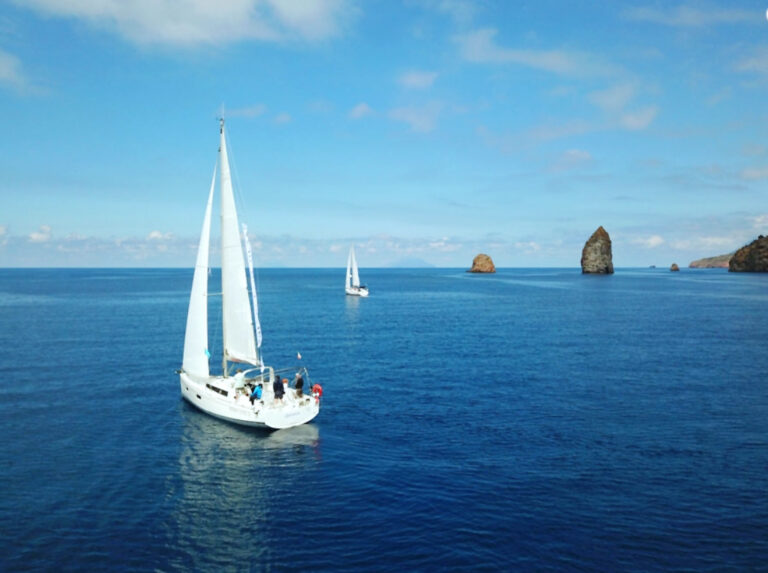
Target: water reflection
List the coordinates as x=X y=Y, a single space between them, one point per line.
x=229 y=480
x=352 y=306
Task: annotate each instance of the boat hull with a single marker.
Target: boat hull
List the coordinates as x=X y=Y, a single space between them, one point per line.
x=206 y=394
x=357 y=291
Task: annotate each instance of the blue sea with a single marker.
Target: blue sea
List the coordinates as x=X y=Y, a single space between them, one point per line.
x=531 y=420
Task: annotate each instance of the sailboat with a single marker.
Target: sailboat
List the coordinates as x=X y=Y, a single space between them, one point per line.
x=228 y=395
x=353 y=286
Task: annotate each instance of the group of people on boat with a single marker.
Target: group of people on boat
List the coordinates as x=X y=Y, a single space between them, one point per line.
x=279 y=389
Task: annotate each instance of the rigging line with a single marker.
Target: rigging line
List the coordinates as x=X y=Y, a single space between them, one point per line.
x=235 y=175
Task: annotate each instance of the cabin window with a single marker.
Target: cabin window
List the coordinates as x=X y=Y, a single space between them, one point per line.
x=219 y=390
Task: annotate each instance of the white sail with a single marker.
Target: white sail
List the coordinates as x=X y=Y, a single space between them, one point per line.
x=220 y=395
x=237 y=327
x=355 y=275
x=348 y=280
x=196 y=340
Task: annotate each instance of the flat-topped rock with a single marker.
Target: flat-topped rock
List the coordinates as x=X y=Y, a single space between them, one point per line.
x=482 y=264
x=596 y=256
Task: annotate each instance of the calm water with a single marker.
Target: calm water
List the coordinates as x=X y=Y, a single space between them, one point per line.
x=532 y=420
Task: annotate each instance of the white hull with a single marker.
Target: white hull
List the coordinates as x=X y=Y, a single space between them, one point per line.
x=357 y=291
x=236 y=407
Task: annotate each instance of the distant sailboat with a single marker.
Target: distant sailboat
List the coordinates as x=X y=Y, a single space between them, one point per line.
x=228 y=395
x=353 y=286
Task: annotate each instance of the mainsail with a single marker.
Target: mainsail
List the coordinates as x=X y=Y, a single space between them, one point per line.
x=237 y=328
x=355 y=275
x=348 y=279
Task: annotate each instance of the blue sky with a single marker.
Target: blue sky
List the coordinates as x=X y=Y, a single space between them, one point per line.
x=422 y=131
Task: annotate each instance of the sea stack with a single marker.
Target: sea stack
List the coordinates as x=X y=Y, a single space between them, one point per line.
x=596 y=257
x=674 y=267
x=752 y=258
x=482 y=264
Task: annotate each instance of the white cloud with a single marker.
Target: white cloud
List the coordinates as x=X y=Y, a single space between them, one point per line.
x=760 y=222
x=480 y=47
x=193 y=22
x=692 y=17
x=159 y=236
x=651 y=242
x=10 y=72
x=421 y=119
x=704 y=243
x=461 y=11
x=639 y=119
x=755 y=173
x=614 y=98
x=757 y=63
x=311 y=19
x=720 y=96
x=360 y=110
x=556 y=131
x=754 y=149
x=41 y=236
x=444 y=245
x=572 y=159
x=283 y=118
x=249 y=111
x=417 y=79
x=528 y=246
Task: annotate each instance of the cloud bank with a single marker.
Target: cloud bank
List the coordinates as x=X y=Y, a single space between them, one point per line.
x=201 y=22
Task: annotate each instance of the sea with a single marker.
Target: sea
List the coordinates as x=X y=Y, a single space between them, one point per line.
x=528 y=420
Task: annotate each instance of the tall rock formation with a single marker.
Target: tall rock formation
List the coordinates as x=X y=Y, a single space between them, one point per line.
x=482 y=264
x=596 y=256
x=752 y=258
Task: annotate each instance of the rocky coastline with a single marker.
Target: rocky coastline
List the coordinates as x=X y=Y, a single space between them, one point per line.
x=751 y=258
x=718 y=262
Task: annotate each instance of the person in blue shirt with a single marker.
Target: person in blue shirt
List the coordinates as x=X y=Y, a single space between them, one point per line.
x=256 y=394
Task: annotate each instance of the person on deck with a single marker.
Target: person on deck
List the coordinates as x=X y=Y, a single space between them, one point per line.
x=256 y=394
x=277 y=387
x=299 y=386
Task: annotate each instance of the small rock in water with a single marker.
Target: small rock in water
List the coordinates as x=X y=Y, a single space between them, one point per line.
x=482 y=264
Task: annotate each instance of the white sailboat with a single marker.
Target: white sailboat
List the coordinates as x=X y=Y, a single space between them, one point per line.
x=228 y=395
x=353 y=286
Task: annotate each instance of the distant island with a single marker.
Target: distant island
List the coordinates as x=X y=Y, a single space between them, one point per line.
x=718 y=262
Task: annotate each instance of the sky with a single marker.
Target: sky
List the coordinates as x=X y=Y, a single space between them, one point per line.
x=423 y=132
